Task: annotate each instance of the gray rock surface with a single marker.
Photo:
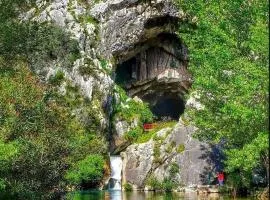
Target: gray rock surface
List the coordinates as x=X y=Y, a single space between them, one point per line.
x=126 y=23
x=72 y=16
x=137 y=163
x=193 y=162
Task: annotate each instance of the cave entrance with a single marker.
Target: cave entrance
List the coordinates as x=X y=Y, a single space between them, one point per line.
x=167 y=106
x=157 y=73
x=124 y=76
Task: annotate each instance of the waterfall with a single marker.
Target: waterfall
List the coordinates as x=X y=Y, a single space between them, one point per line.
x=116 y=169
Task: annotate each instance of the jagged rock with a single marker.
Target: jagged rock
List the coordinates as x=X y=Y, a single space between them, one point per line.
x=125 y=23
x=151 y=60
x=70 y=16
x=194 y=160
x=163 y=66
x=118 y=140
x=137 y=162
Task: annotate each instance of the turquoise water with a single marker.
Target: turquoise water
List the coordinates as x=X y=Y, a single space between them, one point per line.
x=119 y=195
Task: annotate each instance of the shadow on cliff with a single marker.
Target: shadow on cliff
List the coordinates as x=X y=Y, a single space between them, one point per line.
x=214 y=156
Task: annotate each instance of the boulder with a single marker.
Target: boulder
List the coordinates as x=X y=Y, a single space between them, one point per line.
x=193 y=158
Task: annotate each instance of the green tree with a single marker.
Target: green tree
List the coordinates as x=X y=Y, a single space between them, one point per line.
x=88 y=170
x=40 y=138
x=228 y=45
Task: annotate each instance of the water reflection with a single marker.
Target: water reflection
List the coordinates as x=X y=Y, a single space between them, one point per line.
x=136 y=195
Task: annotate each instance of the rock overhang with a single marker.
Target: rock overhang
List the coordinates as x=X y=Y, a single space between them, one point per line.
x=157 y=73
x=126 y=23
x=140 y=36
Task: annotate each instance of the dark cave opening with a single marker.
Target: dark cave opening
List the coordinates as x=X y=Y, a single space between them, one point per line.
x=124 y=74
x=165 y=106
x=156 y=72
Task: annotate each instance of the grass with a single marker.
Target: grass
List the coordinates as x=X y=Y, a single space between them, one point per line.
x=146 y=136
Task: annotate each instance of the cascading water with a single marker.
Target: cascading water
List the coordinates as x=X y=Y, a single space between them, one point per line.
x=116 y=169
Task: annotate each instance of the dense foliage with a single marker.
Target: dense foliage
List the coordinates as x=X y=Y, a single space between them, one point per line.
x=87 y=171
x=130 y=110
x=228 y=44
x=41 y=140
x=44 y=148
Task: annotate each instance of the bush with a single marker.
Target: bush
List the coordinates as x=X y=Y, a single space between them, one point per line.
x=133 y=134
x=88 y=170
x=132 y=108
x=57 y=79
x=128 y=187
x=154 y=183
x=168 y=185
x=86 y=70
x=169 y=148
x=174 y=169
x=180 y=148
x=157 y=158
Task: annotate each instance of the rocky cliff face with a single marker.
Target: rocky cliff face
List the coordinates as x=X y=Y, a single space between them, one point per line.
x=151 y=61
x=126 y=25
x=131 y=43
x=175 y=145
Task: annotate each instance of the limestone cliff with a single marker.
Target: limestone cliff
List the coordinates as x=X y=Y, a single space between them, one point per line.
x=131 y=43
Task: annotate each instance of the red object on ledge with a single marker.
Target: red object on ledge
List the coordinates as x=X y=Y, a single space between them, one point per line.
x=148 y=126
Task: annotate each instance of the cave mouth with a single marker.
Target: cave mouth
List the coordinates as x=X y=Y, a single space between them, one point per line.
x=165 y=107
x=124 y=74
x=157 y=74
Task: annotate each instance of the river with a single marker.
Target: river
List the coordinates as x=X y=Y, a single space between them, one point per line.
x=120 y=195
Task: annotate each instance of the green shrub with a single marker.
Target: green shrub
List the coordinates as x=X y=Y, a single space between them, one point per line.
x=88 y=170
x=173 y=143
x=154 y=183
x=105 y=66
x=168 y=185
x=169 y=148
x=103 y=63
x=180 y=148
x=132 y=108
x=174 y=169
x=57 y=79
x=185 y=121
x=157 y=158
x=133 y=134
x=128 y=187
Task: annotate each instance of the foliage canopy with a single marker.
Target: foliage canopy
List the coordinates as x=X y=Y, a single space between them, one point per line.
x=228 y=44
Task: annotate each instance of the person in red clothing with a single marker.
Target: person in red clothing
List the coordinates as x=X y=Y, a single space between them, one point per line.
x=220 y=177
